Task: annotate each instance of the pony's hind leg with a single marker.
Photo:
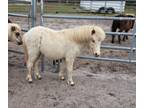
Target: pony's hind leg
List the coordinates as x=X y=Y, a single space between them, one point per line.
x=29 y=74
x=69 y=67
x=127 y=35
x=36 y=69
x=124 y=37
x=30 y=65
x=62 y=70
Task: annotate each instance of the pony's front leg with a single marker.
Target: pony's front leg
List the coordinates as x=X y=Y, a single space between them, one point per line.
x=69 y=67
x=119 y=37
x=62 y=70
x=113 y=37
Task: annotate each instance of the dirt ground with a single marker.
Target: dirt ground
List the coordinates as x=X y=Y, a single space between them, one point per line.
x=98 y=84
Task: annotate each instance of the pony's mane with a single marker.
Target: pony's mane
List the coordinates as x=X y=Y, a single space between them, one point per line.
x=78 y=34
x=83 y=34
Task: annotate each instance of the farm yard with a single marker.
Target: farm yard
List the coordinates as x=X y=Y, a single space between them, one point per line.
x=98 y=84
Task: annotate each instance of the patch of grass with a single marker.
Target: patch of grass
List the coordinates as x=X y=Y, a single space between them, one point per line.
x=130 y=10
x=61 y=8
x=56 y=8
x=18 y=8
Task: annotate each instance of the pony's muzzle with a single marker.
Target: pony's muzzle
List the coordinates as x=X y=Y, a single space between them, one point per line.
x=19 y=42
x=97 y=55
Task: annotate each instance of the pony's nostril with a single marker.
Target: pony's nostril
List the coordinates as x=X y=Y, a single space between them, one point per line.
x=17 y=33
x=96 y=54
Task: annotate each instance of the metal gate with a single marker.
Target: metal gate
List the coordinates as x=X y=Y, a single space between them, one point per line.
x=130 y=49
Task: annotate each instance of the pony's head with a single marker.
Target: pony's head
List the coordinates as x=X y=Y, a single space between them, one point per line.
x=97 y=36
x=132 y=22
x=15 y=34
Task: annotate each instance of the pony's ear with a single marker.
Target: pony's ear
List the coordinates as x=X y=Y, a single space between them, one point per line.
x=92 y=32
x=13 y=28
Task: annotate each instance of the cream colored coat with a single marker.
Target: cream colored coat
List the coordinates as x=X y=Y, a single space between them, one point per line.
x=64 y=44
x=14 y=33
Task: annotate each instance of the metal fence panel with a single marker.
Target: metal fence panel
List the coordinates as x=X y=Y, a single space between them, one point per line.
x=133 y=34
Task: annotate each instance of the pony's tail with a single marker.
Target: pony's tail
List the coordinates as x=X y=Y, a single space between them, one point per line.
x=25 y=54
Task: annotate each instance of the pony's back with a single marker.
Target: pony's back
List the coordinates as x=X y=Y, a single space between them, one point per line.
x=117 y=24
x=36 y=32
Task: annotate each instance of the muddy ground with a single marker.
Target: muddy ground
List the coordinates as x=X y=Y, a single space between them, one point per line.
x=98 y=84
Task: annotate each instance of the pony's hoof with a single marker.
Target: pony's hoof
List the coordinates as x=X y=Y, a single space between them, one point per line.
x=70 y=83
x=30 y=82
x=38 y=77
x=62 y=78
x=29 y=79
x=25 y=64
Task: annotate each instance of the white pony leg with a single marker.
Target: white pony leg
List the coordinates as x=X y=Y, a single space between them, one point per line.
x=62 y=70
x=36 y=70
x=69 y=66
x=29 y=66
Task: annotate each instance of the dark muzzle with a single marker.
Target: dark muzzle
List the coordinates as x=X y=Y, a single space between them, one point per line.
x=96 y=55
x=20 y=43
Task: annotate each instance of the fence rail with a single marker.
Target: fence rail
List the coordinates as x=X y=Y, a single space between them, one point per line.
x=64 y=16
x=18 y=15
x=19 y=1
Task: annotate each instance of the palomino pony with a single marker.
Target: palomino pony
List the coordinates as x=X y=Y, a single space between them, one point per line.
x=122 y=25
x=64 y=44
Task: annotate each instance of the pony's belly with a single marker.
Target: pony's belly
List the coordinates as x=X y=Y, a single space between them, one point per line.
x=53 y=53
x=54 y=49
x=53 y=56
